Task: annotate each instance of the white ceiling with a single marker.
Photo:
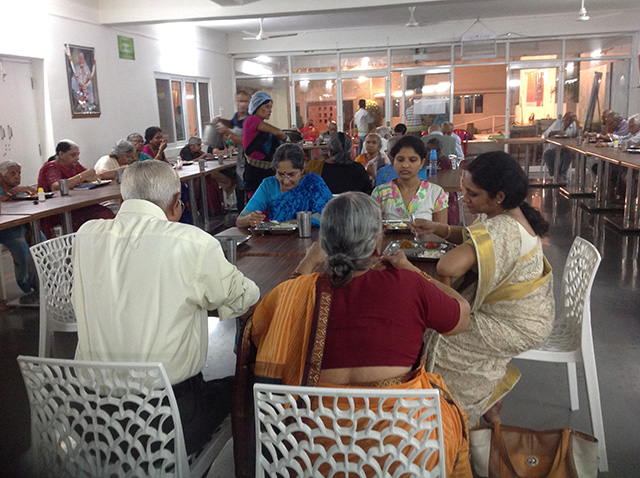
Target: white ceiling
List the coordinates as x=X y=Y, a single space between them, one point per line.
x=288 y=16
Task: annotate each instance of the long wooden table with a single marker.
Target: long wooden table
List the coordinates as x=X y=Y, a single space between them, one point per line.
x=607 y=156
x=16 y=212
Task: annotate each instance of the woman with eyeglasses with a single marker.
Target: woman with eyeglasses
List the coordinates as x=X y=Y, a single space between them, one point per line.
x=281 y=196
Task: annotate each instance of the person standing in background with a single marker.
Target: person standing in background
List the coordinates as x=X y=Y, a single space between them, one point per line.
x=362 y=120
x=235 y=136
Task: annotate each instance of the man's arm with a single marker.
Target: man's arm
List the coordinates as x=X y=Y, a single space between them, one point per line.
x=221 y=286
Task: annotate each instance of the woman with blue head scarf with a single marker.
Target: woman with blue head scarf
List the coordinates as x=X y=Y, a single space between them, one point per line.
x=259 y=140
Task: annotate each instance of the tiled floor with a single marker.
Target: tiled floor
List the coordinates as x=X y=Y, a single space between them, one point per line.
x=541 y=398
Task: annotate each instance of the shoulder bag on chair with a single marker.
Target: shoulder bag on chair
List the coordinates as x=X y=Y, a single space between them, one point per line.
x=500 y=451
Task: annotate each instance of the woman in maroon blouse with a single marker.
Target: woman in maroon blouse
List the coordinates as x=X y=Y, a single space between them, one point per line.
x=65 y=165
x=355 y=325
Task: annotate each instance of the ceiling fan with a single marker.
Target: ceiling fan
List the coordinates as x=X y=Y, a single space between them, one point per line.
x=412 y=20
x=262 y=36
x=582 y=13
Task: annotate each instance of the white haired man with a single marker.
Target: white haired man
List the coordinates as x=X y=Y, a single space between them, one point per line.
x=143 y=284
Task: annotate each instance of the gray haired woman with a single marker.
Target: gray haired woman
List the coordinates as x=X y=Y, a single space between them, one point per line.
x=340 y=171
x=120 y=156
x=355 y=325
x=289 y=191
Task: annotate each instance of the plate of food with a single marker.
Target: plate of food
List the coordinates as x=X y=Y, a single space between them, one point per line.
x=24 y=196
x=428 y=251
x=93 y=184
x=396 y=225
x=274 y=227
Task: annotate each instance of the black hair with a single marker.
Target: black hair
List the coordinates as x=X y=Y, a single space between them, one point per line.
x=150 y=132
x=412 y=142
x=437 y=143
x=63 y=146
x=400 y=128
x=497 y=171
x=362 y=103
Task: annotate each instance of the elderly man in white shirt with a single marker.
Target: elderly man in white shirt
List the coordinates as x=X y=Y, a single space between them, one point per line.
x=565 y=127
x=143 y=284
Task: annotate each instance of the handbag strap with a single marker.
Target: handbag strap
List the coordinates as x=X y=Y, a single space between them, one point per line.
x=503 y=453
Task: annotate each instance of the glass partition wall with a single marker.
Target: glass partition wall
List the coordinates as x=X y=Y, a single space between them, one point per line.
x=523 y=87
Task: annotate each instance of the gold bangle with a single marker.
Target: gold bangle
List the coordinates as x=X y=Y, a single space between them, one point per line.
x=426 y=276
x=448 y=232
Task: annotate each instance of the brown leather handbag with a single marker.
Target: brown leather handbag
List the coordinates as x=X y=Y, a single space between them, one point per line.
x=501 y=451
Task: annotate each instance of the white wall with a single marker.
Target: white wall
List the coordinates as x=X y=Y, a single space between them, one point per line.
x=126 y=88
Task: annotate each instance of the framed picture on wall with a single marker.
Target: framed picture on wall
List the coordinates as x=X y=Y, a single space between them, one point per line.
x=82 y=81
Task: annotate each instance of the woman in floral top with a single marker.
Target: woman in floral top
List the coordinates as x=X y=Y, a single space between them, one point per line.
x=408 y=193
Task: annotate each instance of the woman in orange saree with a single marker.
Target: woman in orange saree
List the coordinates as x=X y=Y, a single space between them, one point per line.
x=340 y=328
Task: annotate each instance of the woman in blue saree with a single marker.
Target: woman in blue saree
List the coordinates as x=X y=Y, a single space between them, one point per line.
x=280 y=197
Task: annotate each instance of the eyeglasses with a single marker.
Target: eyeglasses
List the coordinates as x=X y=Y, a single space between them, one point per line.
x=181 y=204
x=283 y=175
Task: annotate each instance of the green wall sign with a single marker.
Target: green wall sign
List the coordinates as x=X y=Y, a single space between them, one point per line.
x=125 y=48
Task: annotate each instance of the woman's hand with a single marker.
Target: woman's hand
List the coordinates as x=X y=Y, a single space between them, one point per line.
x=251 y=220
x=424 y=226
x=89 y=175
x=399 y=261
x=162 y=147
x=222 y=129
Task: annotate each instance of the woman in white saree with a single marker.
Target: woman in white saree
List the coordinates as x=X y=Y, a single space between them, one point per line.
x=512 y=300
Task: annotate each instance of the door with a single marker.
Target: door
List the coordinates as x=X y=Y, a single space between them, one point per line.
x=19 y=132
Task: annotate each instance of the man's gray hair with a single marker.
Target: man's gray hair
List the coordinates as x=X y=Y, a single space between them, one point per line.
x=349 y=225
x=384 y=131
x=121 y=148
x=153 y=181
x=616 y=116
x=5 y=165
x=194 y=140
x=635 y=119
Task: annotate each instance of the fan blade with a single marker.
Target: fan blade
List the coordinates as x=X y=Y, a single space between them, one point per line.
x=281 y=36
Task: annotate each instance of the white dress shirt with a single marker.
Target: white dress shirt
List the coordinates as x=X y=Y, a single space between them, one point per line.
x=459 y=150
x=143 y=285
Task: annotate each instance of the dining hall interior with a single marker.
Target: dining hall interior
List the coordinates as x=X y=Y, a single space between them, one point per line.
x=495 y=68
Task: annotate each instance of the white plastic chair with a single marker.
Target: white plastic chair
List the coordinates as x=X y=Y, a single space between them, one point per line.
x=571 y=340
x=55 y=275
x=108 y=419
x=304 y=428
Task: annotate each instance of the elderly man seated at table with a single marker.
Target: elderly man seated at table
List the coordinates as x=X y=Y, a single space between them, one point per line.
x=630 y=139
x=565 y=127
x=447 y=143
x=332 y=128
x=447 y=130
x=143 y=284
x=282 y=196
x=14 y=238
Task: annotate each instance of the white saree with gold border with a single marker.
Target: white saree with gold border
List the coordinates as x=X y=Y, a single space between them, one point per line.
x=512 y=310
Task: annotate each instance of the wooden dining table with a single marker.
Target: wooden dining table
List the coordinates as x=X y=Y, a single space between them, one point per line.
x=270 y=259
